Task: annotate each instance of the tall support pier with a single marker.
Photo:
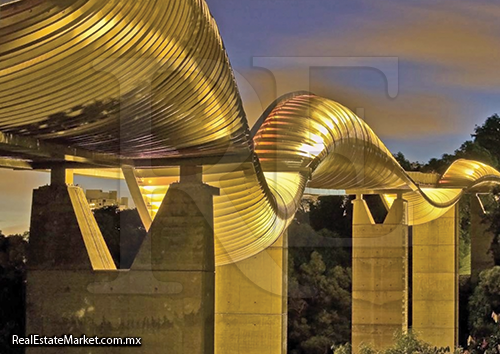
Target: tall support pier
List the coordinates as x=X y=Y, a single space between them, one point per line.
x=167 y=297
x=251 y=303
x=435 y=280
x=379 y=275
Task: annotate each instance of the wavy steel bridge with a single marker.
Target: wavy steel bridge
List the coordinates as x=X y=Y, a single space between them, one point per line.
x=143 y=90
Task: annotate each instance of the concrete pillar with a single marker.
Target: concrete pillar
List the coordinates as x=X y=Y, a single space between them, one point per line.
x=166 y=298
x=64 y=233
x=435 y=280
x=179 y=250
x=379 y=275
x=481 y=239
x=135 y=192
x=65 y=247
x=251 y=303
x=61 y=176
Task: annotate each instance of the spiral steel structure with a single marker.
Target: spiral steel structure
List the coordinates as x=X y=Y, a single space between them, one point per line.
x=151 y=79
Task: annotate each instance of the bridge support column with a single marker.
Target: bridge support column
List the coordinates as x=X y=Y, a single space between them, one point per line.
x=65 y=247
x=481 y=240
x=435 y=280
x=178 y=253
x=166 y=298
x=60 y=176
x=251 y=303
x=135 y=192
x=379 y=275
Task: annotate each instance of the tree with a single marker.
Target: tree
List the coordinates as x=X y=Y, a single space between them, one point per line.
x=464 y=233
x=487 y=136
x=123 y=232
x=333 y=213
x=473 y=150
x=12 y=289
x=484 y=301
x=319 y=306
x=333 y=248
x=401 y=159
x=485 y=147
x=406 y=164
x=484 y=304
x=320 y=258
x=319 y=279
x=439 y=165
x=470 y=150
x=404 y=343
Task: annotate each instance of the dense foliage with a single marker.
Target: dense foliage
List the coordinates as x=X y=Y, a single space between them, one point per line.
x=12 y=289
x=319 y=306
x=319 y=303
x=485 y=298
x=484 y=147
x=485 y=301
x=492 y=219
x=123 y=232
x=404 y=343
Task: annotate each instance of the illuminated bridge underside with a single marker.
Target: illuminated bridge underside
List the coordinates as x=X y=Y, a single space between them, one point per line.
x=141 y=81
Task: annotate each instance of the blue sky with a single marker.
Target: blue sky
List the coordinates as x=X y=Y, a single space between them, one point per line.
x=448 y=57
x=447 y=73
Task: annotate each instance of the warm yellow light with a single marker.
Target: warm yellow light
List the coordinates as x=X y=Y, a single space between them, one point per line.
x=323 y=130
x=317 y=139
x=312 y=150
x=259 y=197
x=153 y=188
x=329 y=123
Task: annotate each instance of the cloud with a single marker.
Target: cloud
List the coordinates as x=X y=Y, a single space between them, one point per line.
x=448 y=53
x=458 y=38
x=412 y=114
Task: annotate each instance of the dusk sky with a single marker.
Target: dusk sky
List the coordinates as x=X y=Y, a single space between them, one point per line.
x=448 y=63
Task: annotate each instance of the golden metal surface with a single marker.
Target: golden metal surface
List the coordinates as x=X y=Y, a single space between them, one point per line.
x=131 y=78
x=151 y=79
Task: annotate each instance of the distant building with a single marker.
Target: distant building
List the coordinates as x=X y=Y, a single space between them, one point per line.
x=98 y=199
